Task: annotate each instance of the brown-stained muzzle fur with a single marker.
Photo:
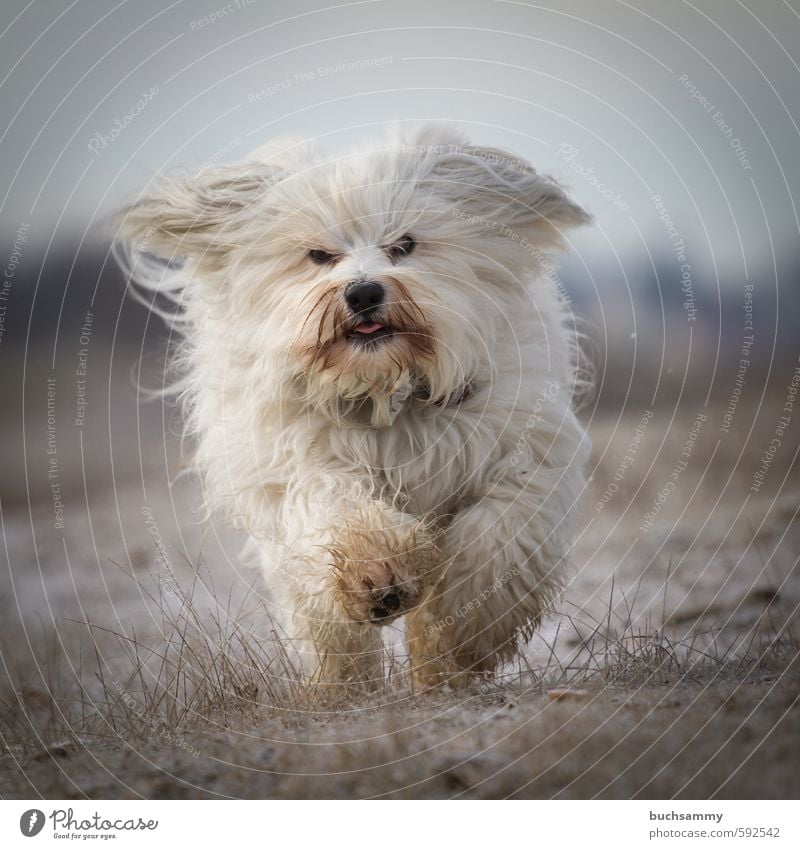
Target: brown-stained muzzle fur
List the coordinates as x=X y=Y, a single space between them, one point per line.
x=330 y=346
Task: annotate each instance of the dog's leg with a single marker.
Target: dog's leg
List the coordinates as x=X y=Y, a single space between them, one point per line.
x=347 y=655
x=331 y=648
x=431 y=664
x=381 y=560
x=351 y=564
x=502 y=566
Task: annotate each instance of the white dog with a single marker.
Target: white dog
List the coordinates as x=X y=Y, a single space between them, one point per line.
x=378 y=372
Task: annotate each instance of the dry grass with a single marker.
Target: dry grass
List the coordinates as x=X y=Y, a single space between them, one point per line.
x=214 y=671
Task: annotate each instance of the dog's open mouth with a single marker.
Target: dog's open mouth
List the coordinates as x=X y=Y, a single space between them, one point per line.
x=368 y=332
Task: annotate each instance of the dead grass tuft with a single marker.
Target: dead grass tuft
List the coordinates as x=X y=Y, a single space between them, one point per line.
x=216 y=671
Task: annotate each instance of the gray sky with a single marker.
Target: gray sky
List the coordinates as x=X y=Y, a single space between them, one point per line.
x=696 y=102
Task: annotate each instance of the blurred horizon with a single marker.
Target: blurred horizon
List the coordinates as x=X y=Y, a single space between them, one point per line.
x=694 y=104
x=674 y=125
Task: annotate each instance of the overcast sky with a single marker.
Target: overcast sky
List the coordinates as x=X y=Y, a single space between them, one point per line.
x=695 y=102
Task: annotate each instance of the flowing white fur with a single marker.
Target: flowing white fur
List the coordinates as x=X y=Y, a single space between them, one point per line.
x=305 y=452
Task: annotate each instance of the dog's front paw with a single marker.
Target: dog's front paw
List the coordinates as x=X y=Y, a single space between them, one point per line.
x=372 y=591
x=380 y=574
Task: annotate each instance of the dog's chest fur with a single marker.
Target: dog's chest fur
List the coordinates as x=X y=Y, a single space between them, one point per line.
x=432 y=457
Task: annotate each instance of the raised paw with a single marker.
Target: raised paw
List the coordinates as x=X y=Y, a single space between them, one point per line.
x=381 y=574
x=376 y=591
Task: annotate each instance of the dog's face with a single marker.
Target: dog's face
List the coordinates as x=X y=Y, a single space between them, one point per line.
x=360 y=274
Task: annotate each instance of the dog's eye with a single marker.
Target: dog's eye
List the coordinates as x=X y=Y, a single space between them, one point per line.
x=321 y=257
x=402 y=247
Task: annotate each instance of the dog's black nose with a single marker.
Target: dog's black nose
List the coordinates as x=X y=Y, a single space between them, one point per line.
x=391 y=601
x=378 y=614
x=364 y=295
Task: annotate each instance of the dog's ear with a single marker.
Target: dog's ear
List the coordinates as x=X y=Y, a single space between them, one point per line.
x=200 y=216
x=504 y=193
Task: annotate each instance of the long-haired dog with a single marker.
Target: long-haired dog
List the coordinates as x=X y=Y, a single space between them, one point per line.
x=378 y=372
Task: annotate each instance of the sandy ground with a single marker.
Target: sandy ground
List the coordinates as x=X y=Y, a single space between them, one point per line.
x=724 y=740
x=676 y=643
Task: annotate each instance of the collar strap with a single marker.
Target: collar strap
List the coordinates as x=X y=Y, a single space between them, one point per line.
x=460 y=395
x=457 y=397
x=420 y=391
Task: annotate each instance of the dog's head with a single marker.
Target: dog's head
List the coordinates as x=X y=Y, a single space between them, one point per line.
x=365 y=273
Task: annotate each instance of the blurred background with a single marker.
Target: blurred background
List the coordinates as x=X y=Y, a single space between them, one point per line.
x=675 y=124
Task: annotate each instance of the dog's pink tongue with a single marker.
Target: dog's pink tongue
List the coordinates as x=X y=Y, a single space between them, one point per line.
x=368 y=327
